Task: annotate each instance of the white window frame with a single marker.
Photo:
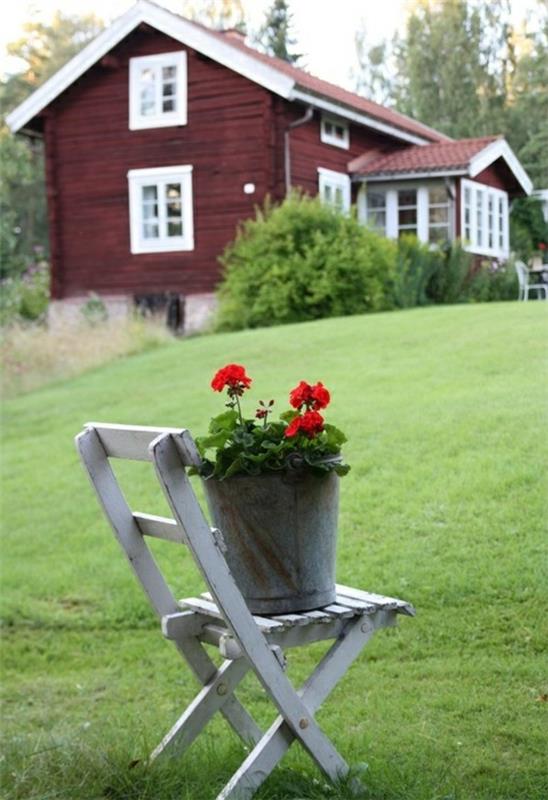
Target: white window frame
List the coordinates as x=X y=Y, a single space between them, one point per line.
x=391 y=190
x=336 y=180
x=160 y=119
x=160 y=177
x=329 y=138
x=492 y=226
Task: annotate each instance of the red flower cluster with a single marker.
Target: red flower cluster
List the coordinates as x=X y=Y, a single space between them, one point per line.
x=310 y=423
x=233 y=376
x=313 y=397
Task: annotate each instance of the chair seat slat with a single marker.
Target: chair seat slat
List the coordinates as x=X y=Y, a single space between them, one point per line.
x=340 y=611
x=210 y=608
x=387 y=603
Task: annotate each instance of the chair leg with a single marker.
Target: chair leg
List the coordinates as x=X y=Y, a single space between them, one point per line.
x=276 y=741
x=206 y=703
x=232 y=710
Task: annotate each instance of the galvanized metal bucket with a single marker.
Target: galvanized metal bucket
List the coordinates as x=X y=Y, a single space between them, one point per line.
x=280 y=532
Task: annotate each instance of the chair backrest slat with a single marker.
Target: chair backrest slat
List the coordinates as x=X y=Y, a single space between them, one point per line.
x=159 y=527
x=127 y=441
x=523 y=274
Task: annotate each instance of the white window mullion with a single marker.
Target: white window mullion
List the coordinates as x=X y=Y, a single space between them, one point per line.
x=162 y=209
x=392 y=213
x=422 y=213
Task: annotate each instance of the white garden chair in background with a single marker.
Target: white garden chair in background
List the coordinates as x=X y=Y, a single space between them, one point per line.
x=220 y=616
x=525 y=287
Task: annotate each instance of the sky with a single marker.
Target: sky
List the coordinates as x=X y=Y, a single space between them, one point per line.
x=324 y=29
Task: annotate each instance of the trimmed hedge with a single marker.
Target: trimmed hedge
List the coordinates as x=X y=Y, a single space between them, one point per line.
x=303 y=260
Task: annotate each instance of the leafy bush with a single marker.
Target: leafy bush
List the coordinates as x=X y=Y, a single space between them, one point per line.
x=303 y=260
x=528 y=228
x=451 y=274
x=415 y=267
x=26 y=297
x=494 y=281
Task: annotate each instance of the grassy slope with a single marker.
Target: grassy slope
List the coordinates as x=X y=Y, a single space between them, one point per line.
x=445 y=506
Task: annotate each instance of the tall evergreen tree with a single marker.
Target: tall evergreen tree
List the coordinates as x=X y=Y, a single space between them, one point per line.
x=274 y=36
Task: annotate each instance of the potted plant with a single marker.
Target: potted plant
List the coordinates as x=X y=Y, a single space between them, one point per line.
x=272 y=487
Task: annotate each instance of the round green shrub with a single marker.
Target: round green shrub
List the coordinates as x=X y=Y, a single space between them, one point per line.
x=303 y=260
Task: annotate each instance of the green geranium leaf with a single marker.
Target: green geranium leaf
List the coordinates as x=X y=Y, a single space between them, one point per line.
x=224 y=422
x=334 y=437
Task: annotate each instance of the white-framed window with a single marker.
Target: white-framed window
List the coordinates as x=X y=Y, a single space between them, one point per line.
x=160 y=209
x=334 y=131
x=407 y=211
x=439 y=214
x=484 y=219
x=376 y=210
x=157 y=90
x=334 y=188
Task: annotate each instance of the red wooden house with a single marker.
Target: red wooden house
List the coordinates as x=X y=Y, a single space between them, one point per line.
x=161 y=135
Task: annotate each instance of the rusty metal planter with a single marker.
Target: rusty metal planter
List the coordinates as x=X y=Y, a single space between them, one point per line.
x=280 y=532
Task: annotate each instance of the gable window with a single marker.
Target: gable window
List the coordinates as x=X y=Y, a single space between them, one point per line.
x=335 y=132
x=334 y=188
x=439 y=229
x=407 y=211
x=160 y=209
x=157 y=91
x=484 y=219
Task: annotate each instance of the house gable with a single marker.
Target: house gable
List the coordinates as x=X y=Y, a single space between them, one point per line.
x=272 y=74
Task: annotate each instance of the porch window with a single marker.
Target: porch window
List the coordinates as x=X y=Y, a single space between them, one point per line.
x=479 y=216
x=376 y=210
x=157 y=91
x=334 y=188
x=335 y=132
x=484 y=219
x=439 y=223
x=467 y=210
x=160 y=207
x=407 y=211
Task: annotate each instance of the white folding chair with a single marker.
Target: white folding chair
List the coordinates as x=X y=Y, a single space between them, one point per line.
x=525 y=287
x=221 y=617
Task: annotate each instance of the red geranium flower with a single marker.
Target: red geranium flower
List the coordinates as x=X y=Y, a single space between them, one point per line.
x=233 y=376
x=313 y=397
x=310 y=423
x=321 y=396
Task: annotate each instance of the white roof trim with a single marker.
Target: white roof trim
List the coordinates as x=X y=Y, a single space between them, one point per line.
x=355 y=116
x=500 y=149
x=166 y=22
x=406 y=176
x=198 y=39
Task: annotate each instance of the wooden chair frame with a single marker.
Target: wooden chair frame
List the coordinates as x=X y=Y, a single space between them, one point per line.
x=221 y=616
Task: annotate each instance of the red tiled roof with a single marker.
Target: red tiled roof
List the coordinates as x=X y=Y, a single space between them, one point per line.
x=440 y=156
x=323 y=88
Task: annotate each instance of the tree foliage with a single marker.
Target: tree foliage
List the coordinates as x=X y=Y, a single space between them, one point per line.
x=275 y=37
x=463 y=68
x=217 y=14
x=41 y=51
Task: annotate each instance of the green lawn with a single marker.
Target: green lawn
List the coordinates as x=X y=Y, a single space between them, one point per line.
x=445 y=409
